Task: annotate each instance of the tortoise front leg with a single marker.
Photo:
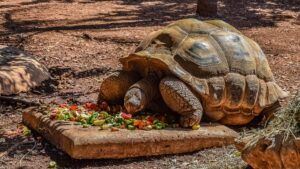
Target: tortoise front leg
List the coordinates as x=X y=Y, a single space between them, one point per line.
x=114 y=87
x=180 y=99
x=141 y=94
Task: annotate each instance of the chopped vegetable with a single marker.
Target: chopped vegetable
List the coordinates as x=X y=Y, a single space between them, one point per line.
x=91 y=106
x=149 y=127
x=126 y=116
x=85 y=125
x=158 y=126
x=104 y=114
x=99 y=122
x=175 y=125
x=52 y=164
x=26 y=131
x=130 y=127
x=73 y=108
x=127 y=122
x=106 y=126
x=137 y=122
x=91 y=114
x=93 y=117
x=114 y=129
x=123 y=126
x=63 y=105
x=196 y=127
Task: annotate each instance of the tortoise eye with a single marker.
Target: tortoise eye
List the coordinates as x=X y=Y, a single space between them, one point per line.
x=163 y=39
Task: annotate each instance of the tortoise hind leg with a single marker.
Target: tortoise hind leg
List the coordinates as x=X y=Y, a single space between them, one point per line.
x=180 y=99
x=114 y=87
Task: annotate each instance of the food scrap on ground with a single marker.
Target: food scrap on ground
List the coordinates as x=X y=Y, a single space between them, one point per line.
x=20 y=130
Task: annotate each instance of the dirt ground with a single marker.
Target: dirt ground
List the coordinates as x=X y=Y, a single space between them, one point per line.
x=80 y=41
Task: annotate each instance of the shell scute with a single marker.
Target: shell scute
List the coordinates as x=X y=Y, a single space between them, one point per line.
x=239 y=56
x=235 y=87
x=217 y=91
x=201 y=57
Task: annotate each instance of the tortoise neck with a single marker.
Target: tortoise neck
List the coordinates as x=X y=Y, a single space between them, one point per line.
x=268 y=112
x=152 y=75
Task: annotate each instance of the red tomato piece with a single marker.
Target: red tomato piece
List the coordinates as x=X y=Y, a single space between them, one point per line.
x=138 y=123
x=74 y=107
x=149 y=122
x=54 y=111
x=126 y=116
x=141 y=125
x=91 y=106
x=151 y=119
x=63 y=105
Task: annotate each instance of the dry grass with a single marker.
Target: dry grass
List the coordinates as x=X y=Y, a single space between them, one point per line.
x=285 y=123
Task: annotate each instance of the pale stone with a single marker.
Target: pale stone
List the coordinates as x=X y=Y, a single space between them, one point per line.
x=92 y=143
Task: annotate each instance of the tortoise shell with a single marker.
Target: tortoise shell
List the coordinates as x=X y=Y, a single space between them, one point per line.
x=227 y=71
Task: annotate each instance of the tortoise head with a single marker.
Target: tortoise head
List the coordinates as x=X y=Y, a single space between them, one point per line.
x=154 y=54
x=135 y=100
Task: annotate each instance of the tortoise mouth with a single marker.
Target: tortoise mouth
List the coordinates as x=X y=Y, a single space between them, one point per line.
x=133 y=106
x=134 y=100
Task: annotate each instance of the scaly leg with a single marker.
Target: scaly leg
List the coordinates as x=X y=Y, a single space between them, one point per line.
x=180 y=99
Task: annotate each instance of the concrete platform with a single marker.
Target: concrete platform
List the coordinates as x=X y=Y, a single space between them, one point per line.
x=92 y=143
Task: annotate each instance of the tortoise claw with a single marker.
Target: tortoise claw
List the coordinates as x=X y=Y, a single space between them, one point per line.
x=190 y=120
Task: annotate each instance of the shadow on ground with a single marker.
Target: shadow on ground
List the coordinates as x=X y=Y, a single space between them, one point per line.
x=158 y=12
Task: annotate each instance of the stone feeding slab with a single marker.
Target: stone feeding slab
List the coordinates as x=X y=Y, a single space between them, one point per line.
x=92 y=143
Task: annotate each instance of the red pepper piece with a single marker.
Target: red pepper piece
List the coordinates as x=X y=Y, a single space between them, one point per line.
x=126 y=116
x=136 y=122
x=63 y=105
x=151 y=119
x=54 y=111
x=91 y=106
x=141 y=125
x=74 y=107
x=149 y=122
x=114 y=129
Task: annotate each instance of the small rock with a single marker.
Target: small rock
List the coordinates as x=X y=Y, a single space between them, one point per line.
x=185 y=163
x=2 y=140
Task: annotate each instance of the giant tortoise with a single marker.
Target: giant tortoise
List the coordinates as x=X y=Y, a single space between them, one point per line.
x=196 y=67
